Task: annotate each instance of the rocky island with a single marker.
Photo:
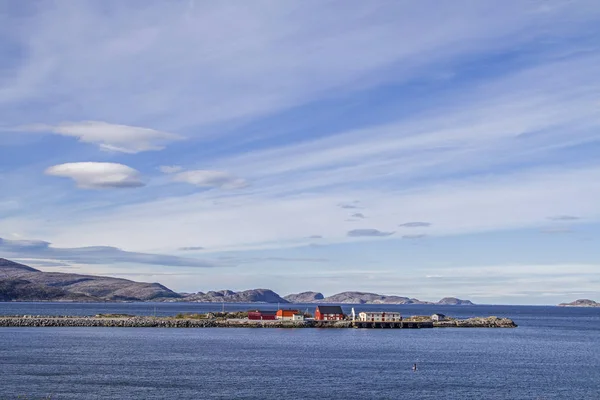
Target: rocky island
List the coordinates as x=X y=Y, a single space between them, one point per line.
x=580 y=303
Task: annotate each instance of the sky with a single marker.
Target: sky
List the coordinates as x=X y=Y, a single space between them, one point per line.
x=422 y=149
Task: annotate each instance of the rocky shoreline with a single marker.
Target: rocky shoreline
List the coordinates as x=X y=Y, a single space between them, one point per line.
x=166 y=322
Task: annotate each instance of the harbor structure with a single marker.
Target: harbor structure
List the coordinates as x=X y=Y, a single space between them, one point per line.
x=380 y=316
x=329 y=313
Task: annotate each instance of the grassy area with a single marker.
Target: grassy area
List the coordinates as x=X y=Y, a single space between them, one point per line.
x=114 y=316
x=216 y=315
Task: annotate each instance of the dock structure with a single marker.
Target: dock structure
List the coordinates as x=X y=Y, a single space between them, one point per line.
x=392 y=324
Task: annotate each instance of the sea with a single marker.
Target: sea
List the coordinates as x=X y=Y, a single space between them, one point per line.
x=553 y=354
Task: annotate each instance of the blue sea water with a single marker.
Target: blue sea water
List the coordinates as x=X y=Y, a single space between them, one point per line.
x=553 y=354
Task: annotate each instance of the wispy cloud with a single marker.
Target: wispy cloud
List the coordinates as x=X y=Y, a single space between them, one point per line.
x=414 y=237
x=351 y=205
x=367 y=233
x=191 y=248
x=415 y=225
x=37 y=249
x=556 y=230
x=96 y=175
x=358 y=215
x=110 y=137
x=564 y=218
x=205 y=178
x=170 y=169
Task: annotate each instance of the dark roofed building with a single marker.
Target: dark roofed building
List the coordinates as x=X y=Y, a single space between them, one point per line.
x=329 y=313
x=262 y=315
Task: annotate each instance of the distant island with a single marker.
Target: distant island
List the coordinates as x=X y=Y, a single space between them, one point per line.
x=580 y=303
x=19 y=282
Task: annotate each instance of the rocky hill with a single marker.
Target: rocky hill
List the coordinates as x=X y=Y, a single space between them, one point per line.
x=229 y=296
x=20 y=282
x=453 y=301
x=304 y=297
x=367 y=298
x=580 y=303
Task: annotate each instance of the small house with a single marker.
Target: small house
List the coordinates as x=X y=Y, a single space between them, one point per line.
x=438 y=317
x=298 y=317
x=260 y=315
x=286 y=315
x=329 y=313
x=380 y=316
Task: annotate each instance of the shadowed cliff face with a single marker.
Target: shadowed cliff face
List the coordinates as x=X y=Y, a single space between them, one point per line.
x=20 y=282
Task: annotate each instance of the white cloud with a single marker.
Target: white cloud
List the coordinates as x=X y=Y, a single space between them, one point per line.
x=170 y=169
x=207 y=178
x=110 y=137
x=97 y=175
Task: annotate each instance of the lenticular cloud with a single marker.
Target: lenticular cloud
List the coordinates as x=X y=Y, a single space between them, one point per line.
x=97 y=175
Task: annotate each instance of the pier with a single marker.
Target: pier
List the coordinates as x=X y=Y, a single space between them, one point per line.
x=392 y=325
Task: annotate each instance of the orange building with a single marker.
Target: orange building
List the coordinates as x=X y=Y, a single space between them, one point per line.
x=286 y=314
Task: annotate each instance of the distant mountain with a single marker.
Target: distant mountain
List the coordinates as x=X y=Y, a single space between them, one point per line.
x=367 y=298
x=370 y=298
x=229 y=296
x=20 y=282
x=453 y=301
x=580 y=303
x=304 y=297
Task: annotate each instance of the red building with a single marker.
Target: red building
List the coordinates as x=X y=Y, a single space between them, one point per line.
x=329 y=313
x=262 y=315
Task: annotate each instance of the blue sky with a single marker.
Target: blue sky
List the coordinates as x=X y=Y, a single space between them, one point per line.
x=424 y=149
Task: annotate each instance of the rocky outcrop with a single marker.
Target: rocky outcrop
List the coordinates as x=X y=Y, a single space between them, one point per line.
x=477 y=322
x=23 y=283
x=580 y=303
x=453 y=301
x=304 y=297
x=229 y=296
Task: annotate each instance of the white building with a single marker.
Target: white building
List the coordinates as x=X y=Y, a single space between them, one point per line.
x=438 y=317
x=379 y=316
x=298 y=317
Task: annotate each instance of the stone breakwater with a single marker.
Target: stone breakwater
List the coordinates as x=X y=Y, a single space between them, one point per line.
x=488 y=322
x=153 y=322
x=161 y=322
